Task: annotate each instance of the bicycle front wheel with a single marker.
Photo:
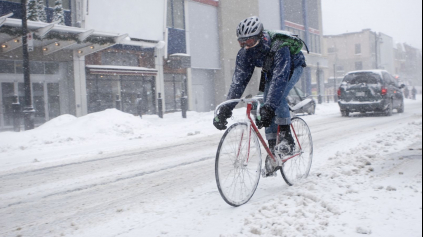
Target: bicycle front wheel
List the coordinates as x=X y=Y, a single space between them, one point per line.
x=298 y=168
x=238 y=164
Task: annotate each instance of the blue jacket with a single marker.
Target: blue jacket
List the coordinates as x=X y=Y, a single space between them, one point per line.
x=280 y=73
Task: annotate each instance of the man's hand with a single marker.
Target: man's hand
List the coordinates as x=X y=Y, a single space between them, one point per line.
x=267 y=114
x=220 y=121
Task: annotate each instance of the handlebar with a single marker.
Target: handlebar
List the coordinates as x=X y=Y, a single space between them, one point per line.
x=246 y=100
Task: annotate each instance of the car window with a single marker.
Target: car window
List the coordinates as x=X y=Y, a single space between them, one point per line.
x=293 y=93
x=360 y=78
x=300 y=92
x=388 y=78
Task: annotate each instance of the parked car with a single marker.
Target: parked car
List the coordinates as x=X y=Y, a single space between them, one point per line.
x=370 y=91
x=295 y=97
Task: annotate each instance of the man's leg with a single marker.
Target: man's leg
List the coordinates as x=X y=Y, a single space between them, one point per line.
x=271 y=132
x=283 y=113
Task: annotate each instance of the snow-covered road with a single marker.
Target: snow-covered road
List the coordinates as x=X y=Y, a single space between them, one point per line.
x=362 y=181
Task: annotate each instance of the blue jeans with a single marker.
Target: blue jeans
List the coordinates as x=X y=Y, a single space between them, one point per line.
x=283 y=114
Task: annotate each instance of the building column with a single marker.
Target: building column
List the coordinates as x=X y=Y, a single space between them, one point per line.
x=46 y=101
x=160 y=53
x=307 y=41
x=1 y=107
x=189 y=93
x=80 y=79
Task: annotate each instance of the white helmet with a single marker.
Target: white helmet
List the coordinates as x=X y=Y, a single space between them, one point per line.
x=249 y=27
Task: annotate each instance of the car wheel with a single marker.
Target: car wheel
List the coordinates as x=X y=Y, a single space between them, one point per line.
x=345 y=113
x=390 y=110
x=312 y=109
x=401 y=109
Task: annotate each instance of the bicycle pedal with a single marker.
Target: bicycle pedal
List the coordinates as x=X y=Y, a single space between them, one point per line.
x=264 y=174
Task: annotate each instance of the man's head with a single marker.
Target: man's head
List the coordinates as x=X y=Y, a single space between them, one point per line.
x=249 y=32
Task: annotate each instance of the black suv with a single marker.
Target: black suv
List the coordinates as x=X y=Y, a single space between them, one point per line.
x=370 y=91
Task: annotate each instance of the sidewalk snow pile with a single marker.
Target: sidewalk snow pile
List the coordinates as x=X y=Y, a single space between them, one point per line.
x=69 y=130
x=366 y=191
x=103 y=132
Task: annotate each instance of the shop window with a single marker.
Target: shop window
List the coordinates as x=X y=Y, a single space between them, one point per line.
x=52 y=68
x=39 y=102
x=53 y=93
x=19 y=67
x=36 y=67
x=138 y=90
x=8 y=92
x=7 y=66
x=175 y=86
x=100 y=93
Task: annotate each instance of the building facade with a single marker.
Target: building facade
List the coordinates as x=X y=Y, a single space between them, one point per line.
x=363 y=50
x=408 y=64
x=69 y=65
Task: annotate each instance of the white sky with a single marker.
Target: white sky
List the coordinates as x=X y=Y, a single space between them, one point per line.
x=401 y=19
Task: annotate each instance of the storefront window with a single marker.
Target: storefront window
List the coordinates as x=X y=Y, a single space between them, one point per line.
x=38 y=102
x=7 y=98
x=100 y=93
x=138 y=90
x=175 y=86
x=52 y=68
x=7 y=67
x=53 y=100
x=132 y=90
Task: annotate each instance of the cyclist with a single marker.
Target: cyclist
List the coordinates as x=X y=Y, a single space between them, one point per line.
x=281 y=71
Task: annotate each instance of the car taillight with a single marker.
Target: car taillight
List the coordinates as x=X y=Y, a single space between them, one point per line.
x=384 y=91
x=339 y=92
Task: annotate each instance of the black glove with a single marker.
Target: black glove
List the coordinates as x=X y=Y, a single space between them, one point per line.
x=267 y=114
x=220 y=120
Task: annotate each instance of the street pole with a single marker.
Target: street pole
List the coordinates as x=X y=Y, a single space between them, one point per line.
x=376 y=52
x=319 y=84
x=334 y=81
x=307 y=41
x=28 y=110
x=282 y=12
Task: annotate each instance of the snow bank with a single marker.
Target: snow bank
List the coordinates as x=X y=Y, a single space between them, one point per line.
x=67 y=129
x=348 y=196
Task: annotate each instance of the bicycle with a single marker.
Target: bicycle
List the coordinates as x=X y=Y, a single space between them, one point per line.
x=238 y=166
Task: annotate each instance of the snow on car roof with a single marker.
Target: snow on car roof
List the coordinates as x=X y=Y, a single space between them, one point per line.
x=379 y=72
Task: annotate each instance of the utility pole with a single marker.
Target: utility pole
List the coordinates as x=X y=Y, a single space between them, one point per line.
x=319 y=84
x=378 y=41
x=282 y=12
x=335 y=97
x=28 y=109
x=307 y=41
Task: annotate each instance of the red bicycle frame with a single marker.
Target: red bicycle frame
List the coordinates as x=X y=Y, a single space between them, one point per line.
x=263 y=142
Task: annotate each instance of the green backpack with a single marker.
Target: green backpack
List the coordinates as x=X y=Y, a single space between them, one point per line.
x=280 y=39
x=285 y=38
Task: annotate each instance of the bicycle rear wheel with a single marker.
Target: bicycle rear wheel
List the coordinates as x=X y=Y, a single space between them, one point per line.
x=238 y=164
x=298 y=168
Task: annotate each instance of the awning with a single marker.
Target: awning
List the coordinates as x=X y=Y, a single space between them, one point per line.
x=121 y=70
x=53 y=38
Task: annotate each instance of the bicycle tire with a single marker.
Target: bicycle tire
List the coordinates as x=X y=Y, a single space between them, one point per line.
x=231 y=171
x=298 y=168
